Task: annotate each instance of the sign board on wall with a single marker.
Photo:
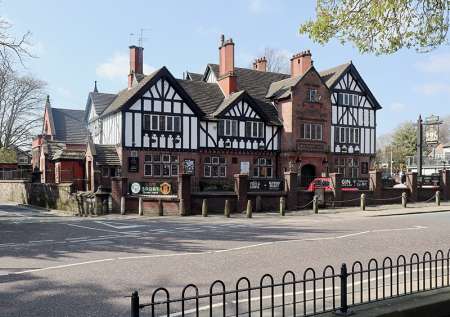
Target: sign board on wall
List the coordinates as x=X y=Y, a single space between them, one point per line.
x=151 y=188
x=359 y=183
x=189 y=166
x=265 y=185
x=245 y=167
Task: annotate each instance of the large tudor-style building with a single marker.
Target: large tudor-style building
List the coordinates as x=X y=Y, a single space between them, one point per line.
x=226 y=121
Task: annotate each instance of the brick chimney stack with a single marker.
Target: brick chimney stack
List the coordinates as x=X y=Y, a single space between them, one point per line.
x=227 y=79
x=260 y=64
x=136 y=63
x=300 y=63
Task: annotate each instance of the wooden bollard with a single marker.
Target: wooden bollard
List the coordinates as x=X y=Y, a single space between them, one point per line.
x=258 y=204
x=205 y=208
x=160 y=208
x=122 y=205
x=316 y=204
x=226 y=210
x=363 y=202
x=404 y=199
x=181 y=208
x=438 y=198
x=282 y=206
x=141 y=207
x=249 y=210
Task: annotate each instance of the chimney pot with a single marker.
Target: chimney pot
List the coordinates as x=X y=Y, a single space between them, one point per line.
x=300 y=63
x=227 y=80
x=136 y=63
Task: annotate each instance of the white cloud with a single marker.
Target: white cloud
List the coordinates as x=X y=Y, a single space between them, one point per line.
x=118 y=67
x=434 y=88
x=439 y=63
x=397 y=107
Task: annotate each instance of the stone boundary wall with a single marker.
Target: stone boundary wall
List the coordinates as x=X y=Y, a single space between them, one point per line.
x=51 y=196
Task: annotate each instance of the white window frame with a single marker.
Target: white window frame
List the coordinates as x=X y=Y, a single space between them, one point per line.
x=232 y=123
x=312 y=131
x=218 y=162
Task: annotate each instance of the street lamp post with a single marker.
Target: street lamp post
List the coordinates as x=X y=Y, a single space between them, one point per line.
x=419 y=146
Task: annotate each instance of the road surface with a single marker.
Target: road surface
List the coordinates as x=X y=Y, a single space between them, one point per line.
x=70 y=266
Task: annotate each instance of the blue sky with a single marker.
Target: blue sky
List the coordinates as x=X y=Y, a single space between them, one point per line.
x=81 y=41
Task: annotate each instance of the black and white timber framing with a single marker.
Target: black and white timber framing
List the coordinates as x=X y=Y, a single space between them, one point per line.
x=353 y=122
x=161 y=115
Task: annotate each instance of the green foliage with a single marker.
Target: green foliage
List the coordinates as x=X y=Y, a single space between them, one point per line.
x=381 y=26
x=7 y=156
x=404 y=142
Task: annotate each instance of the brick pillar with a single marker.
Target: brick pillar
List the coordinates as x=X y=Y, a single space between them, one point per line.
x=119 y=188
x=411 y=184
x=241 y=189
x=290 y=187
x=375 y=183
x=336 y=181
x=184 y=192
x=445 y=184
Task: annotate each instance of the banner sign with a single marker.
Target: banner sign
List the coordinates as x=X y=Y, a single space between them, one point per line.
x=155 y=188
x=265 y=185
x=428 y=180
x=359 y=183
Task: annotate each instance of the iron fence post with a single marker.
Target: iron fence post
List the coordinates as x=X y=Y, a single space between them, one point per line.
x=343 y=310
x=135 y=304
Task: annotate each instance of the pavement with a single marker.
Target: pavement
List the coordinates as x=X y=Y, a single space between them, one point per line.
x=53 y=265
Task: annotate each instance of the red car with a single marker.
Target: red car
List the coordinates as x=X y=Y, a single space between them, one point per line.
x=325 y=183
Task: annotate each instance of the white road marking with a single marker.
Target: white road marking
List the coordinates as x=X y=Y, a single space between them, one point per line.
x=120 y=226
x=203 y=252
x=59 y=266
x=98 y=229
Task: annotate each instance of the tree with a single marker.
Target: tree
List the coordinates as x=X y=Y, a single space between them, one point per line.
x=277 y=61
x=21 y=106
x=444 y=130
x=10 y=44
x=404 y=143
x=381 y=26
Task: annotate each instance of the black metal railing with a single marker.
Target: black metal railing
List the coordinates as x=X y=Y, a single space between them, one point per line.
x=308 y=294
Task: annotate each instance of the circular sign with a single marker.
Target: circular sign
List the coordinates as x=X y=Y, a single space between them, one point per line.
x=165 y=188
x=135 y=188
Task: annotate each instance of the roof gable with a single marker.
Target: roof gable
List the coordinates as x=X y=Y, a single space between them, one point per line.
x=240 y=104
x=335 y=75
x=149 y=86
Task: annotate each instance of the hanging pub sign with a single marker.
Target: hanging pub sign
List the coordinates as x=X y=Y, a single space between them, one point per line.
x=265 y=185
x=432 y=129
x=355 y=183
x=151 y=188
x=133 y=164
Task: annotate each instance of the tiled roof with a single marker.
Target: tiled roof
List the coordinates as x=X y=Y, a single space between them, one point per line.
x=207 y=96
x=69 y=125
x=256 y=83
x=332 y=74
x=126 y=94
x=106 y=155
x=194 y=76
x=101 y=101
x=65 y=154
